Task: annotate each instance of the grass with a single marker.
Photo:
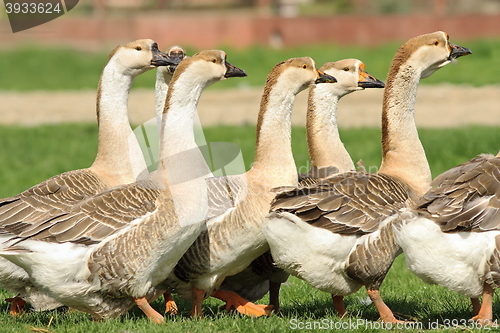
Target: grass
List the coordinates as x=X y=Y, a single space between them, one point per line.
x=31 y=67
x=30 y=155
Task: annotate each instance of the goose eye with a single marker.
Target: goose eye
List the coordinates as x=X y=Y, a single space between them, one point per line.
x=436 y=43
x=304 y=66
x=214 y=60
x=138 y=48
x=346 y=69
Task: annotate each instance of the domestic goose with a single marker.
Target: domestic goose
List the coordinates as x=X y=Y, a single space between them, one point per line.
x=336 y=235
x=453 y=237
x=327 y=153
x=119 y=161
x=233 y=237
x=110 y=251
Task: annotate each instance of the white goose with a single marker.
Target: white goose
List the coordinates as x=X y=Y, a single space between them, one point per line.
x=112 y=250
x=327 y=154
x=233 y=238
x=453 y=237
x=119 y=161
x=341 y=228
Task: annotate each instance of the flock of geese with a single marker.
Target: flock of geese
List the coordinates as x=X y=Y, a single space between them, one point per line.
x=102 y=239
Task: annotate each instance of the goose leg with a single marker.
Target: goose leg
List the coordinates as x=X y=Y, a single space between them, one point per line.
x=170 y=306
x=197 y=298
x=233 y=300
x=151 y=313
x=485 y=314
x=17 y=306
x=274 y=296
x=338 y=303
x=476 y=306
x=386 y=314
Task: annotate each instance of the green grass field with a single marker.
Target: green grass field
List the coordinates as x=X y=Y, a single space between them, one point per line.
x=30 y=155
x=66 y=69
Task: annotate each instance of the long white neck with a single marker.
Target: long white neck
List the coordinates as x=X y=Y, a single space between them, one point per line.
x=163 y=79
x=181 y=162
x=403 y=155
x=161 y=87
x=323 y=139
x=274 y=163
x=119 y=157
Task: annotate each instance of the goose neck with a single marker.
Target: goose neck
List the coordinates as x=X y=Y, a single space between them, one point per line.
x=273 y=154
x=181 y=161
x=161 y=88
x=323 y=139
x=403 y=155
x=118 y=153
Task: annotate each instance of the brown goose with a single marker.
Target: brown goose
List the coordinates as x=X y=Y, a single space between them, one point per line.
x=119 y=161
x=453 y=237
x=110 y=251
x=341 y=228
x=327 y=154
x=233 y=237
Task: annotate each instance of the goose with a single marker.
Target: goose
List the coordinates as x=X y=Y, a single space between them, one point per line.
x=109 y=252
x=327 y=153
x=119 y=161
x=452 y=238
x=340 y=228
x=233 y=237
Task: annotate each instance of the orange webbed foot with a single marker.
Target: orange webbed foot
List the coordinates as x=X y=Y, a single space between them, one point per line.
x=170 y=305
x=234 y=301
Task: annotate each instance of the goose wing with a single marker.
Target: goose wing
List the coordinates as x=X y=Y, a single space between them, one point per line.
x=467 y=197
x=97 y=218
x=52 y=196
x=350 y=203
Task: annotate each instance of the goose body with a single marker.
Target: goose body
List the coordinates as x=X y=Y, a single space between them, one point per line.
x=327 y=154
x=110 y=251
x=453 y=237
x=119 y=161
x=341 y=228
x=233 y=239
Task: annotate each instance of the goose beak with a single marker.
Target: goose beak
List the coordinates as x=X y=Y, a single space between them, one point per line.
x=161 y=59
x=458 y=51
x=369 y=81
x=233 y=71
x=325 y=78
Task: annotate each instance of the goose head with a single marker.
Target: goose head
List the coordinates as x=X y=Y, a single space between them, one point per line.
x=175 y=53
x=139 y=56
x=298 y=73
x=208 y=66
x=351 y=76
x=430 y=52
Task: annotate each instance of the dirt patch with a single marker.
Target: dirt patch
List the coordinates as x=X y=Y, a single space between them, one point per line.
x=437 y=106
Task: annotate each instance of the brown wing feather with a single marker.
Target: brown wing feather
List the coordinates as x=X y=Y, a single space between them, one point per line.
x=99 y=217
x=350 y=203
x=53 y=196
x=466 y=197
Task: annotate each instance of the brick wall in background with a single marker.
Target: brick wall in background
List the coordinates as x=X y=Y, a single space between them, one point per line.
x=241 y=29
